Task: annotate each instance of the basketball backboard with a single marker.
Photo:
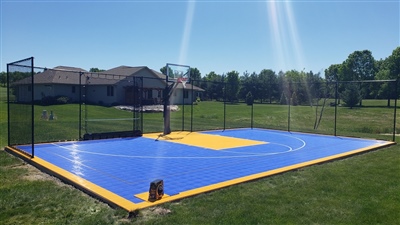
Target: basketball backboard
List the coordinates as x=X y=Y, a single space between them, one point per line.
x=178 y=73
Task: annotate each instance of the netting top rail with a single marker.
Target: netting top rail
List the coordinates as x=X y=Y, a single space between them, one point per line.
x=67 y=103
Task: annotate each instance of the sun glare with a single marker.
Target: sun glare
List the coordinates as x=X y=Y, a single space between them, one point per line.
x=186 y=32
x=285 y=39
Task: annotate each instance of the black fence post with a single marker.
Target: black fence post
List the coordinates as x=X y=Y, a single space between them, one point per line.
x=336 y=105
x=33 y=108
x=183 y=107
x=80 y=106
x=395 y=109
x=141 y=104
x=85 y=92
x=165 y=107
x=289 y=102
x=252 y=114
x=134 y=113
x=8 y=106
x=224 y=102
x=191 y=111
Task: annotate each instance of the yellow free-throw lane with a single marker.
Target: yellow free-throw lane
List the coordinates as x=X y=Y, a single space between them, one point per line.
x=215 y=142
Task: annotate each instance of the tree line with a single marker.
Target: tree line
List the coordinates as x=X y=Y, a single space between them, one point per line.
x=300 y=87
x=355 y=77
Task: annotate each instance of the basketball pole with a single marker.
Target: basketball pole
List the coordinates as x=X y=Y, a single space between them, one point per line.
x=180 y=77
x=169 y=89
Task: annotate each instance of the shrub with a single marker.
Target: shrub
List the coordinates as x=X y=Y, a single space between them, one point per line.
x=295 y=100
x=54 y=100
x=351 y=95
x=283 y=100
x=249 y=98
x=48 y=100
x=62 y=100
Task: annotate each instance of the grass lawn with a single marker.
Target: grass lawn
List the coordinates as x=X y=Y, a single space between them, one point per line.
x=363 y=189
x=3 y=117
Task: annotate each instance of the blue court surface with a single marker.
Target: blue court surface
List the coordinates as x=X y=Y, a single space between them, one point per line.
x=120 y=170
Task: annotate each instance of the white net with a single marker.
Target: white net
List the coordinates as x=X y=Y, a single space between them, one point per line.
x=183 y=81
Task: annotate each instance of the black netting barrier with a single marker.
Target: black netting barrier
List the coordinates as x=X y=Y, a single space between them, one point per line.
x=367 y=109
x=20 y=104
x=56 y=105
x=111 y=105
x=309 y=106
x=209 y=108
x=65 y=103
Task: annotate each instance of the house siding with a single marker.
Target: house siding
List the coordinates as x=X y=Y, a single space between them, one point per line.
x=64 y=83
x=43 y=90
x=97 y=94
x=177 y=97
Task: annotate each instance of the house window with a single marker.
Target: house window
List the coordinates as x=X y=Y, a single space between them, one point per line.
x=185 y=94
x=150 y=94
x=29 y=88
x=73 y=89
x=110 y=90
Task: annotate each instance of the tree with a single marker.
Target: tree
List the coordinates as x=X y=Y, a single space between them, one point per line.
x=360 y=65
x=3 y=78
x=384 y=90
x=315 y=87
x=195 y=74
x=393 y=64
x=249 y=83
x=232 y=86
x=213 y=86
x=163 y=70
x=283 y=87
x=95 y=70
x=351 y=95
x=294 y=101
x=268 y=87
x=297 y=83
x=283 y=100
x=332 y=74
x=249 y=99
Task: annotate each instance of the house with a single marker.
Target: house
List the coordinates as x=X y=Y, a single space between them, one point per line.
x=110 y=87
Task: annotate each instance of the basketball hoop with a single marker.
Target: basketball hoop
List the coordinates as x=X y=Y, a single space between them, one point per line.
x=182 y=80
x=175 y=74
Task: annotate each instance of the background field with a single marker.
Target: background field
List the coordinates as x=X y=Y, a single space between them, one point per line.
x=363 y=189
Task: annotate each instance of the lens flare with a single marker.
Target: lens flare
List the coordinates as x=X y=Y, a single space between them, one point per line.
x=285 y=38
x=186 y=32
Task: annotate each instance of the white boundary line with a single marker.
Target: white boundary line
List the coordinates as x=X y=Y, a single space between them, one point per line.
x=250 y=154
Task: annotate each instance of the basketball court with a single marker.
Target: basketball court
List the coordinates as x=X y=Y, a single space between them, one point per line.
x=114 y=161
x=120 y=170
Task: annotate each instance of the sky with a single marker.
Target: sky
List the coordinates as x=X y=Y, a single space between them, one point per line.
x=219 y=36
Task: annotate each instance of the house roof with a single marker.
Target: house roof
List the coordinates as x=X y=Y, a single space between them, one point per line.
x=124 y=70
x=129 y=71
x=70 y=75
x=69 y=68
x=189 y=87
x=57 y=75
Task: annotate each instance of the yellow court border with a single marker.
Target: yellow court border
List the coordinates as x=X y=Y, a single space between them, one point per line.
x=114 y=199
x=77 y=181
